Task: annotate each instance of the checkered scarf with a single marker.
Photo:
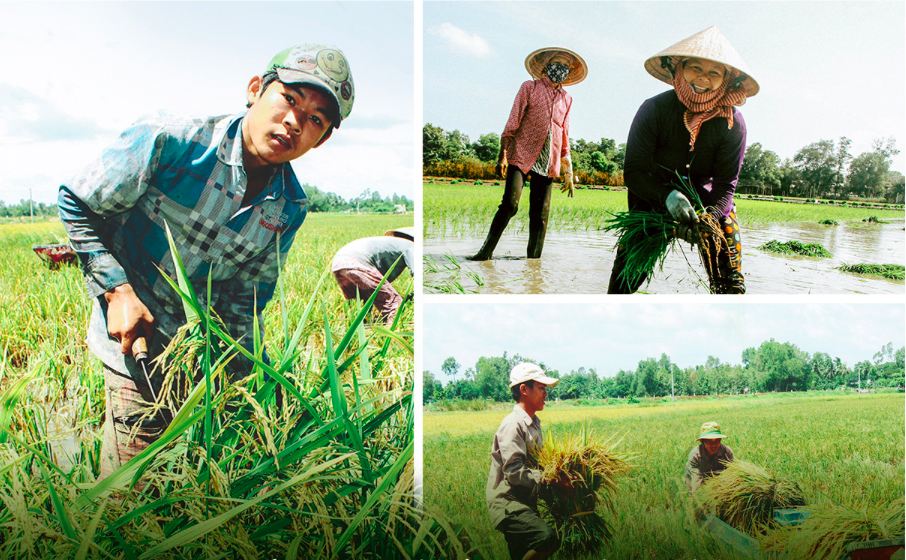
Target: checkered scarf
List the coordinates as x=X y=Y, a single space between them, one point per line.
x=702 y=107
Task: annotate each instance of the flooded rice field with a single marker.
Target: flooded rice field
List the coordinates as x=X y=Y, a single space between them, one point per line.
x=580 y=262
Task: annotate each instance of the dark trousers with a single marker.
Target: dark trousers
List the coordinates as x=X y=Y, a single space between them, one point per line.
x=539 y=210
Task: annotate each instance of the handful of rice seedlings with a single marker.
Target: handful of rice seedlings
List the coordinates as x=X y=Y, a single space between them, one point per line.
x=830 y=528
x=592 y=466
x=794 y=247
x=744 y=496
x=647 y=236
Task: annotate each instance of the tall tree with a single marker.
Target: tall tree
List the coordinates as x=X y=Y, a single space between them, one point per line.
x=817 y=166
x=450 y=367
x=487 y=147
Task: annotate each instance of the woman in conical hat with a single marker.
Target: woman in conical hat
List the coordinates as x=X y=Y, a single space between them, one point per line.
x=535 y=143
x=694 y=130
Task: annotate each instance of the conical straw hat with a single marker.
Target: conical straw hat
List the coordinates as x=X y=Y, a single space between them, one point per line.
x=536 y=62
x=709 y=44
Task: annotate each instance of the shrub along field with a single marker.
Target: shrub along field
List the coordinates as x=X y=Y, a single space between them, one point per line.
x=235 y=475
x=468 y=208
x=843 y=449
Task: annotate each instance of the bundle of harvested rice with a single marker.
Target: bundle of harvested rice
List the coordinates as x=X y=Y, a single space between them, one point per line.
x=891 y=271
x=830 y=528
x=794 y=247
x=647 y=236
x=744 y=496
x=592 y=466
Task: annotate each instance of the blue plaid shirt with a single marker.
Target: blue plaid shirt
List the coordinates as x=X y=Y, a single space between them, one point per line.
x=187 y=173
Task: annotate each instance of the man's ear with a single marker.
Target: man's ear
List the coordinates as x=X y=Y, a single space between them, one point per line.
x=253 y=92
x=325 y=137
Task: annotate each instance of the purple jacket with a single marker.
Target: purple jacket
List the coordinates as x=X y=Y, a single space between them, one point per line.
x=658 y=138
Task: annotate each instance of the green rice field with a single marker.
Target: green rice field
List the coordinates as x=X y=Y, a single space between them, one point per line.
x=462 y=208
x=842 y=449
x=235 y=475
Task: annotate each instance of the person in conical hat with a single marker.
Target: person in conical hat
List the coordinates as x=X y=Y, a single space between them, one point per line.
x=696 y=131
x=535 y=144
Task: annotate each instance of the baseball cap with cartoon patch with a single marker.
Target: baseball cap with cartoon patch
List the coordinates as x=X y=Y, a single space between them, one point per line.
x=324 y=66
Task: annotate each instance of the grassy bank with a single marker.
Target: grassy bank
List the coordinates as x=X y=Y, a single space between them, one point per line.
x=842 y=449
x=468 y=208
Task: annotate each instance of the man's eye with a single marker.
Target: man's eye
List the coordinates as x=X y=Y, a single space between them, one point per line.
x=289 y=99
x=316 y=120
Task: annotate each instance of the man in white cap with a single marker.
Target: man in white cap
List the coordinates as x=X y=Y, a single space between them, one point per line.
x=535 y=143
x=512 y=488
x=360 y=266
x=708 y=458
x=695 y=131
x=225 y=187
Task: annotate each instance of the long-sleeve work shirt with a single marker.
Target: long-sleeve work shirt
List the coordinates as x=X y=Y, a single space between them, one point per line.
x=380 y=252
x=186 y=173
x=658 y=148
x=702 y=465
x=512 y=485
x=539 y=109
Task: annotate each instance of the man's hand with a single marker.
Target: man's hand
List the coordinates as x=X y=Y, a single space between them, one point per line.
x=680 y=208
x=563 y=483
x=500 y=168
x=127 y=317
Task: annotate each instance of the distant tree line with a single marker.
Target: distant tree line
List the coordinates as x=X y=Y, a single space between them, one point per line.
x=319 y=201
x=451 y=154
x=823 y=169
x=773 y=366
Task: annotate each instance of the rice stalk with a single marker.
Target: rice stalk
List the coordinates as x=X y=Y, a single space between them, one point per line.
x=891 y=271
x=830 y=528
x=646 y=237
x=794 y=247
x=744 y=495
x=592 y=466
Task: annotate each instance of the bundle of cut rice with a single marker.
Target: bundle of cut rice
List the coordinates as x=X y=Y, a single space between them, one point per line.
x=647 y=236
x=830 y=528
x=592 y=466
x=744 y=496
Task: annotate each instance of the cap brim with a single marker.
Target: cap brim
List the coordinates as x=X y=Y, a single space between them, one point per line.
x=289 y=76
x=712 y=435
x=403 y=233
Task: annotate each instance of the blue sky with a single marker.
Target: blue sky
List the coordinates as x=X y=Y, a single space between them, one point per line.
x=826 y=69
x=73 y=75
x=570 y=333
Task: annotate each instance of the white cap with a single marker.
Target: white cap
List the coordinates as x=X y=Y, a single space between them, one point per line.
x=527 y=371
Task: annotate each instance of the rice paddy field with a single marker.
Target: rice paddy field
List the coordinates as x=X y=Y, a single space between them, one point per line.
x=578 y=254
x=845 y=451
x=235 y=475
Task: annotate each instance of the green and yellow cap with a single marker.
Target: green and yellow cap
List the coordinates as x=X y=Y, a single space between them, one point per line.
x=324 y=66
x=710 y=430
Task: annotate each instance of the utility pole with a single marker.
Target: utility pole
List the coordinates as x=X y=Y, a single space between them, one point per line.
x=31 y=206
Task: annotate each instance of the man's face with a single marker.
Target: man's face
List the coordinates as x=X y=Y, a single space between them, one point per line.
x=703 y=75
x=534 y=397
x=283 y=123
x=711 y=445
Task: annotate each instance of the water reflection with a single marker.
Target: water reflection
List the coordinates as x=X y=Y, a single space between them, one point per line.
x=580 y=262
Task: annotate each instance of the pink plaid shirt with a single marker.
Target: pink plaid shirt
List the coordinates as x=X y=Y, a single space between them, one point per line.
x=538 y=107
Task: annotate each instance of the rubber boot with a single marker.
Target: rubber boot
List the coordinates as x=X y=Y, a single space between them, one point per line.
x=539 y=211
x=498 y=224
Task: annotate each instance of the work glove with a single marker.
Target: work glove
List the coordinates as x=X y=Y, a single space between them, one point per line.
x=501 y=168
x=566 y=167
x=680 y=208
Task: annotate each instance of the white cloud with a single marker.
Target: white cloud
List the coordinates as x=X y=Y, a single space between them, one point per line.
x=461 y=41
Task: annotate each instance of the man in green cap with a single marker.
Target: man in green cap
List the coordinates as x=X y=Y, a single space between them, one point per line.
x=708 y=458
x=225 y=188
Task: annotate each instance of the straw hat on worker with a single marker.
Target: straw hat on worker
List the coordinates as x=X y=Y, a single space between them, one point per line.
x=537 y=61
x=709 y=44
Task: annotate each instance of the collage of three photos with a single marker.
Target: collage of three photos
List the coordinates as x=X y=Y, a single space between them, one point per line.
x=465 y=279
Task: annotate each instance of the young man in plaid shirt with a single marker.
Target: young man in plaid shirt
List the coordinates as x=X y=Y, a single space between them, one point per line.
x=225 y=188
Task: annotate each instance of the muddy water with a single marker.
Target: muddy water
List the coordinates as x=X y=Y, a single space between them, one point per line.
x=580 y=262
